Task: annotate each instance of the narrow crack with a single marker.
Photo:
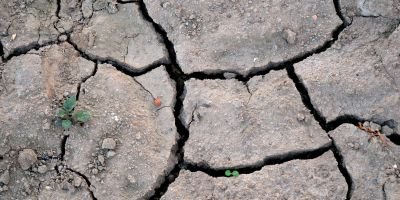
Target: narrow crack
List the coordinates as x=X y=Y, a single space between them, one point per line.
x=78 y=90
x=269 y=160
x=279 y=65
x=339 y=12
x=384 y=192
x=176 y=74
x=177 y=150
x=305 y=97
x=1 y=50
x=122 y=67
x=342 y=168
x=86 y=180
x=63 y=143
x=126 y=2
x=58 y=9
x=26 y=48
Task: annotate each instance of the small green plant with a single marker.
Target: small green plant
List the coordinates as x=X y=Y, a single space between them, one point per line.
x=67 y=116
x=229 y=173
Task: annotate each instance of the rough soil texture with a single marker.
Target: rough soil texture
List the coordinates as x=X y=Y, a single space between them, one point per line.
x=299 y=99
x=315 y=179
x=25 y=24
x=373 y=167
x=367 y=54
x=241 y=36
x=257 y=120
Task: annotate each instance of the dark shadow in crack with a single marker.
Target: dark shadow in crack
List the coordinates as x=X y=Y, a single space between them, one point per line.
x=26 y=48
x=86 y=180
x=179 y=77
x=305 y=97
x=270 y=160
x=1 y=50
x=342 y=167
x=78 y=90
x=122 y=67
x=63 y=143
x=278 y=65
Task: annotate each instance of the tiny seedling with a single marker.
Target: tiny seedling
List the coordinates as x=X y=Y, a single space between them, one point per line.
x=67 y=116
x=229 y=173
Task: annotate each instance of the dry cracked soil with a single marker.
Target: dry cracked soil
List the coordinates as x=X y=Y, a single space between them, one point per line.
x=300 y=97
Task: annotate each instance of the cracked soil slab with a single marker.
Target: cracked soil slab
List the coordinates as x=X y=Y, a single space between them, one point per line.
x=239 y=36
x=125 y=150
x=317 y=178
x=231 y=125
x=121 y=35
x=26 y=23
x=373 y=167
x=360 y=75
x=31 y=88
x=370 y=8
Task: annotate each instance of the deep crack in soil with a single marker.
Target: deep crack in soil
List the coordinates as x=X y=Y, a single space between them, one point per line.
x=269 y=160
x=179 y=77
x=124 y=68
x=342 y=168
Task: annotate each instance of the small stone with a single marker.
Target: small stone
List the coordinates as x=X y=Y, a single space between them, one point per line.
x=301 y=117
x=386 y=130
x=110 y=154
x=95 y=171
x=77 y=181
x=289 y=36
x=108 y=143
x=62 y=38
x=131 y=179
x=27 y=158
x=42 y=169
x=5 y=177
x=229 y=75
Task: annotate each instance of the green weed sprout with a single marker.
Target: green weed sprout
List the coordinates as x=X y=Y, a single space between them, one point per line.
x=234 y=173
x=67 y=115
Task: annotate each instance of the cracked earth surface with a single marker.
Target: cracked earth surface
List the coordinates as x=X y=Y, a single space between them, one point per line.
x=300 y=97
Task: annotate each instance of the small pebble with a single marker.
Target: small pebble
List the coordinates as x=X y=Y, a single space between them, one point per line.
x=109 y=143
x=289 y=36
x=95 y=171
x=42 y=169
x=27 y=158
x=5 y=177
x=77 y=181
x=110 y=154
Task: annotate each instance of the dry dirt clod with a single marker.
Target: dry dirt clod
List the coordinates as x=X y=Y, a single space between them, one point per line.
x=27 y=158
x=42 y=169
x=109 y=143
x=5 y=177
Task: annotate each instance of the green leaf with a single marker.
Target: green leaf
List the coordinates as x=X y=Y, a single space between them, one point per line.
x=69 y=104
x=62 y=113
x=228 y=173
x=82 y=116
x=66 y=124
x=235 y=173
